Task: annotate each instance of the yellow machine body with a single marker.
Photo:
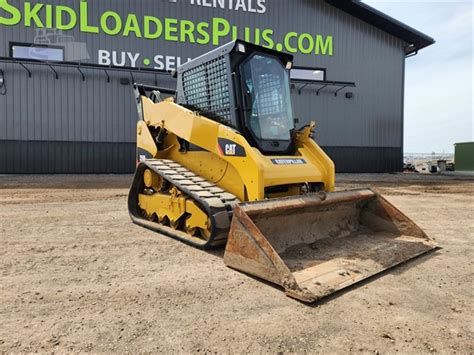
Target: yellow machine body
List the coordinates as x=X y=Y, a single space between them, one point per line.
x=310 y=244
x=224 y=164
x=244 y=176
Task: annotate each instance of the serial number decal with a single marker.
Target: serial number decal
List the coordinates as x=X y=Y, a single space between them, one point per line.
x=296 y=161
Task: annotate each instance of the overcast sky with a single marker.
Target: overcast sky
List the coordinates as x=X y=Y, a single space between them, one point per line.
x=439 y=82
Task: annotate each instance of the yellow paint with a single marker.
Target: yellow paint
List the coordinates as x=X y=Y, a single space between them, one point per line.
x=144 y=139
x=152 y=180
x=246 y=177
x=174 y=207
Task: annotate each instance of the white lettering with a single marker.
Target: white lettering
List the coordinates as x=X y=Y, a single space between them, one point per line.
x=230 y=149
x=167 y=62
x=159 y=62
x=288 y=161
x=130 y=59
x=250 y=8
x=170 y=63
x=240 y=5
x=133 y=58
x=255 y=6
x=115 y=59
x=104 y=57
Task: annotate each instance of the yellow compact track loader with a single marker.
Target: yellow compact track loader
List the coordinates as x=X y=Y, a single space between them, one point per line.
x=221 y=162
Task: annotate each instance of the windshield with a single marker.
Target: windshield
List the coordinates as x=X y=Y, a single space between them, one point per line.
x=267 y=97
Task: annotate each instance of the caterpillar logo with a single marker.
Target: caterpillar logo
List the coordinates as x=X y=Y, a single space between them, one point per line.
x=230 y=149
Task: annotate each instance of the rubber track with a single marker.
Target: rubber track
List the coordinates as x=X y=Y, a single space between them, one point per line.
x=216 y=202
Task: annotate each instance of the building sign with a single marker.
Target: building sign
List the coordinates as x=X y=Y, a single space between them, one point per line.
x=256 y=6
x=215 y=31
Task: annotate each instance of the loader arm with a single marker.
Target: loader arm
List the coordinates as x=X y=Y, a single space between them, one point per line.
x=255 y=171
x=222 y=163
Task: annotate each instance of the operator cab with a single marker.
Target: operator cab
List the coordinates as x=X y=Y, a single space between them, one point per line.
x=246 y=87
x=267 y=111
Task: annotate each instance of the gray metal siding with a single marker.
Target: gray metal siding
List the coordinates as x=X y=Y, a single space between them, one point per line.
x=50 y=157
x=41 y=157
x=43 y=109
x=67 y=109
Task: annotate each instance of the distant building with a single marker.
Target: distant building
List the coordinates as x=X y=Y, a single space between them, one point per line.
x=464 y=156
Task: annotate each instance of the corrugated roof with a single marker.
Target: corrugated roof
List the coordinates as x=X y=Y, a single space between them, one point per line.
x=415 y=39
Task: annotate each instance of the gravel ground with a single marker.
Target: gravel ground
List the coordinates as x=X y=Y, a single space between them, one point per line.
x=77 y=275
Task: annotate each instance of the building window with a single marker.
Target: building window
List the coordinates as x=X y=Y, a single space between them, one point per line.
x=37 y=52
x=308 y=74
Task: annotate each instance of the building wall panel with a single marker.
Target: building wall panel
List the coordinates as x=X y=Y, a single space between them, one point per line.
x=97 y=113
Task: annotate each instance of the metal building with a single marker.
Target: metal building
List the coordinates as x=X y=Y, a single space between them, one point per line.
x=464 y=156
x=67 y=66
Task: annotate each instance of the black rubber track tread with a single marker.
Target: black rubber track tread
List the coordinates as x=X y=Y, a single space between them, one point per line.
x=175 y=173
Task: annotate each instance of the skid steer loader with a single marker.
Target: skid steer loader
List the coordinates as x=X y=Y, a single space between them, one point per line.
x=221 y=162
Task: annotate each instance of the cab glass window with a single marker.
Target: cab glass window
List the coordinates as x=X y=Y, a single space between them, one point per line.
x=267 y=98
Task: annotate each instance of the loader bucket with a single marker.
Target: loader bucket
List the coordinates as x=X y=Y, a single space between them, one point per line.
x=313 y=246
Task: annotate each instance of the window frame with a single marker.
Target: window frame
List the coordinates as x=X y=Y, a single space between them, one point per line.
x=324 y=70
x=37 y=45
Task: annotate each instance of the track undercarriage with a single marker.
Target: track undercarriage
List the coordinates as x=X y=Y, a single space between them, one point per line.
x=170 y=199
x=222 y=162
